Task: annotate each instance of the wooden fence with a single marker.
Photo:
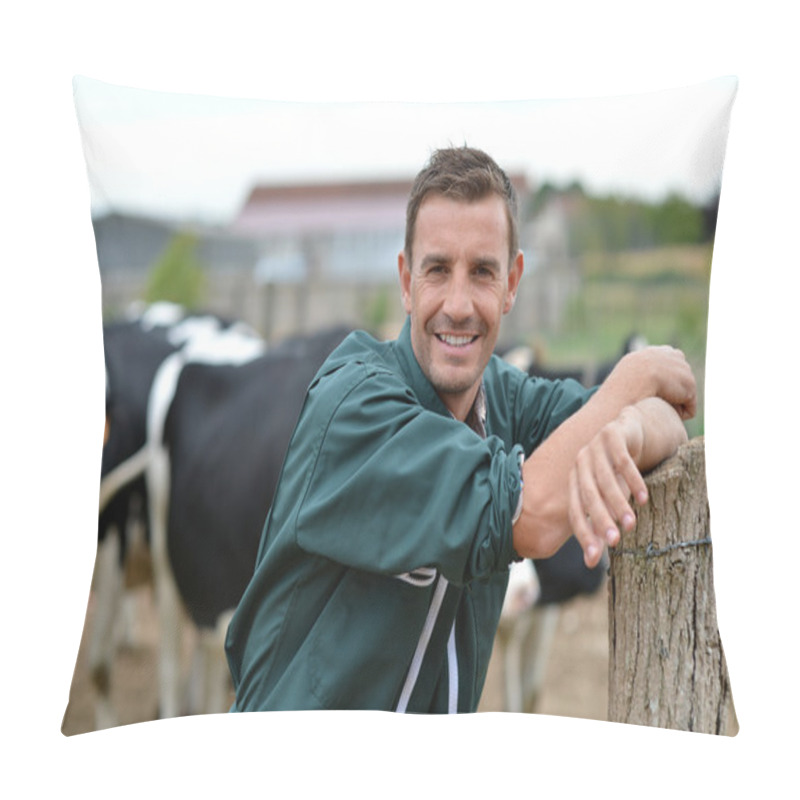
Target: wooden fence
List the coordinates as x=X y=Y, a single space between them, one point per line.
x=666 y=663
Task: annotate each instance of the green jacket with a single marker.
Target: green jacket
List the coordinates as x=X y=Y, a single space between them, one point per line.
x=384 y=559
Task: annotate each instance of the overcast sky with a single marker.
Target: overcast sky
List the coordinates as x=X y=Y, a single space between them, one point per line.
x=196 y=156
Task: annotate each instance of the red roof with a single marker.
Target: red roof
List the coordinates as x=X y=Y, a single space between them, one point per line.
x=325 y=207
x=328 y=207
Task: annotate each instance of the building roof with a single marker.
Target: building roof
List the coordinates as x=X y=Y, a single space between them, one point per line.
x=360 y=206
x=324 y=208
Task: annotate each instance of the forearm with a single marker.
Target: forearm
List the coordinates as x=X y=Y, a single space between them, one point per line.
x=543 y=525
x=594 y=459
x=663 y=432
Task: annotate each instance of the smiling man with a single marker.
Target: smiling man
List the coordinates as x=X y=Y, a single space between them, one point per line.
x=466 y=280
x=421 y=468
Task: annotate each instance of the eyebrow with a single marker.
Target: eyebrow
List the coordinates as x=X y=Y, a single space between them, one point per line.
x=439 y=258
x=488 y=261
x=434 y=258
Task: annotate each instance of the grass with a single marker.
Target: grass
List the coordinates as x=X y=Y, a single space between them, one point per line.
x=661 y=294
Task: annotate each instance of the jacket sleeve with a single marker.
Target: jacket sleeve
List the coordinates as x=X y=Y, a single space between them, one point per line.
x=394 y=487
x=529 y=409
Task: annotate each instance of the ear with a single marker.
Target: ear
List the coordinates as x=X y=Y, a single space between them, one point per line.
x=404 y=272
x=515 y=270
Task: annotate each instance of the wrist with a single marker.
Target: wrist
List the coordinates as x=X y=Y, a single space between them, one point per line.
x=633 y=425
x=635 y=378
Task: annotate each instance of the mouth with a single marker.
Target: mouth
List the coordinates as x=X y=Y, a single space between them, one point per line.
x=456 y=340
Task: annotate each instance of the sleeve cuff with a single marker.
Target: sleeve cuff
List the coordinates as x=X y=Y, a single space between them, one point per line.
x=518 y=510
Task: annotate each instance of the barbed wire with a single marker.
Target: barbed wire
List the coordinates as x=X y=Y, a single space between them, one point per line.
x=652 y=552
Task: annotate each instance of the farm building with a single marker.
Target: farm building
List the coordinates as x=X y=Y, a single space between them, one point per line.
x=302 y=256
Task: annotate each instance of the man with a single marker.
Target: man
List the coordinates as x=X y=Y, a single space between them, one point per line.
x=421 y=468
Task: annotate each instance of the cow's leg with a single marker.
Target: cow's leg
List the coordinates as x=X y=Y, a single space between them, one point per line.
x=512 y=662
x=170 y=643
x=197 y=688
x=210 y=681
x=515 y=621
x=218 y=676
x=138 y=578
x=107 y=589
x=535 y=653
x=168 y=601
x=527 y=641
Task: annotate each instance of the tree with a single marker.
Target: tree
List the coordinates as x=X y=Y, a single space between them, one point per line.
x=677 y=221
x=613 y=223
x=178 y=276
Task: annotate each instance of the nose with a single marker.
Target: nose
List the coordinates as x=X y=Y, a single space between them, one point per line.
x=458 y=298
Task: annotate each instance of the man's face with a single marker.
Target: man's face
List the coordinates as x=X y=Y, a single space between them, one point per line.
x=456 y=291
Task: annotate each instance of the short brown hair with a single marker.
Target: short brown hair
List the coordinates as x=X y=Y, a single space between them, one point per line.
x=466 y=174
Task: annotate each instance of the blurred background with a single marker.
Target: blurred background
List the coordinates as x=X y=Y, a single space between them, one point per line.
x=290 y=216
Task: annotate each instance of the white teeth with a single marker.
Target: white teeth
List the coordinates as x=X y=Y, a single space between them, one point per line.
x=455 y=341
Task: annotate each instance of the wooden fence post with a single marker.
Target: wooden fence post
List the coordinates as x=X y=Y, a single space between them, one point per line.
x=666 y=664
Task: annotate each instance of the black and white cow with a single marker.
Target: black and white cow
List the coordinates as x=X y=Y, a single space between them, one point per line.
x=135 y=347
x=134 y=350
x=132 y=356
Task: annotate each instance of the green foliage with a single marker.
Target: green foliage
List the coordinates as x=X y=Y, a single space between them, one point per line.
x=660 y=293
x=613 y=223
x=676 y=221
x=178 y=276
x=377 y=312
x=539 y=199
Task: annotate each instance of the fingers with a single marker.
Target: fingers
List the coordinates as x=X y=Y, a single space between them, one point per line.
x=671 y=376
x=601 y=484
x=688 y=409
x=591 y=544
x=678 y=384
x=683 y=391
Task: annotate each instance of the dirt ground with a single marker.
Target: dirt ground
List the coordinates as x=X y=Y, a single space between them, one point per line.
x=575 y=680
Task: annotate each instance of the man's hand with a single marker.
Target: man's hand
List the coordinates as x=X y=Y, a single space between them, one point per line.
x=608 y=472
x=658 y=371
x=580 y=479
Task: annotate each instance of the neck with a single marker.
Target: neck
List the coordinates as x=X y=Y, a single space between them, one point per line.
x=461 y=404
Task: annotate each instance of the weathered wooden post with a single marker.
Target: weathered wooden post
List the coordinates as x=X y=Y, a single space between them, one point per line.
x=666 y=664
